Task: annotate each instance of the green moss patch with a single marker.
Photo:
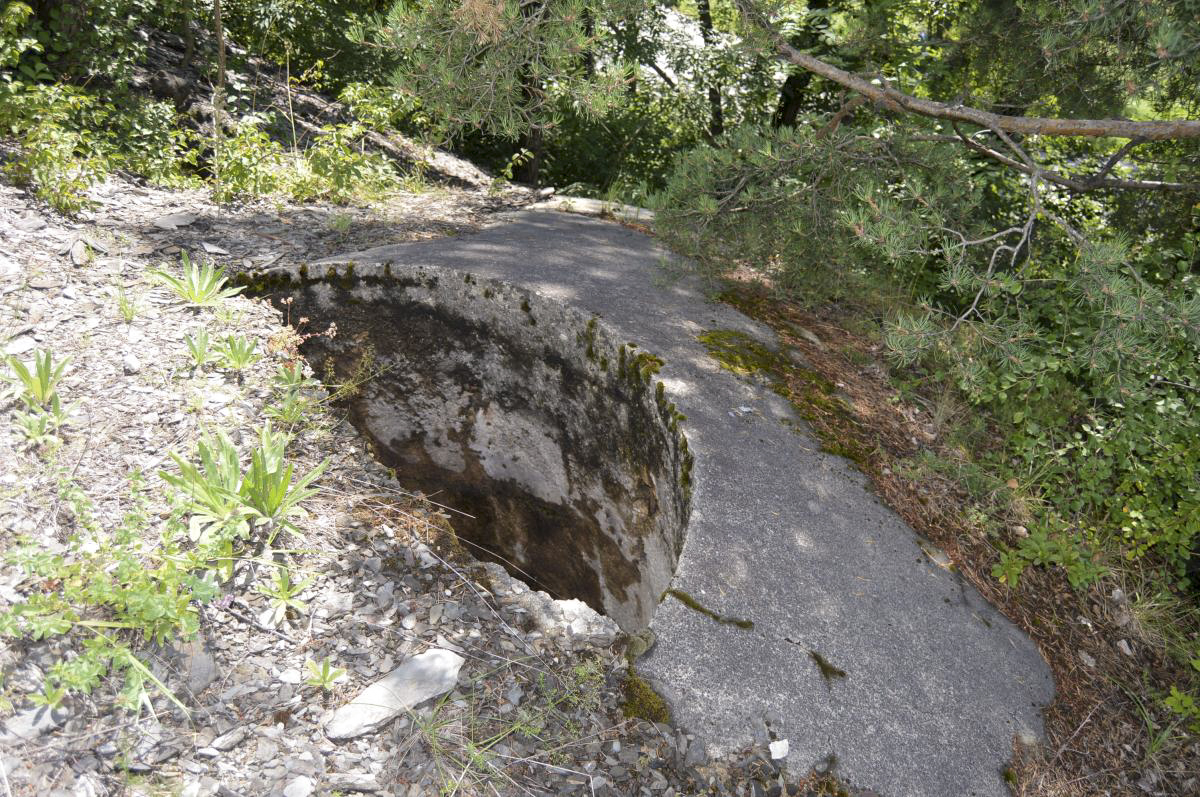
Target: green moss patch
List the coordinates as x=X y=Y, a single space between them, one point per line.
x=743 y=355
x=829 y=671
x=695 y=605
x=642 y=701
x=810 y=394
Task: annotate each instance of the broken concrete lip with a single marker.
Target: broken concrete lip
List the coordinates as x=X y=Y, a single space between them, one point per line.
x=550 y=437
x=937 y=682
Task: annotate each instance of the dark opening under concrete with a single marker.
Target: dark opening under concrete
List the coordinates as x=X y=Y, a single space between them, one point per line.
x=556 y=443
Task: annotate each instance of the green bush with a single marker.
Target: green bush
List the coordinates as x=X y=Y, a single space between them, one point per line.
x=110 y=588
x=251 y=163
x=1081 y=356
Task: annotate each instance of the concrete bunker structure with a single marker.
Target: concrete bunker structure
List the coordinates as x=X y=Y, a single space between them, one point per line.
x=496 y=385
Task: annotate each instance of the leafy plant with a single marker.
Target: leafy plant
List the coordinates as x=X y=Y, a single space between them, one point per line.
x=40 y=426
x=50 y=696
x=267 y=489
x=51 y=166
x=290 y=408
x=237 y=352
x=226 y=502
x=291 y=375
x=198 y=348
x=323 y=675
x=105 y=589
x=37 y=381
x=211 y=493
x=284 y=594
x=200 y=286
x=1185 y=706
x=249 y=163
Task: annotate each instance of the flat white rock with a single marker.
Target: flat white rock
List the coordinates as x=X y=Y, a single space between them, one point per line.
x=421 y=678
x=32 y=723
x=173 y=221
x=20 y=345
x=302 y=786
x=779 y=749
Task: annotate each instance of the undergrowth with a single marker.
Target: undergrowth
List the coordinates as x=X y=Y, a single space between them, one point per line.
x=110 y=589
x=71 y=135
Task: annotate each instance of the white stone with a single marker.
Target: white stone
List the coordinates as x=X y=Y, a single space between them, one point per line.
x=32 y=723
x=174 y=220
x=421 y=678
x=779 y=749
x=302 y=786
x=20 y=345
x=229 y=740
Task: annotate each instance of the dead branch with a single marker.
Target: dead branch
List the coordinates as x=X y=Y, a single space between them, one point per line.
x=1091 y=183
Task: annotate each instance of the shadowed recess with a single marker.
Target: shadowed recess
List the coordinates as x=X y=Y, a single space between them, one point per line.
x=556 y=443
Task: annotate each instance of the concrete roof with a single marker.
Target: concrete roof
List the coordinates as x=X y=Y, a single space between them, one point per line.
x=937 y=681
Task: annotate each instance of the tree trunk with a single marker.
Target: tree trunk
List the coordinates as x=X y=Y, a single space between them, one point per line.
x=589 y=57
x=189 y=36
x=716 y=124
x=792 y=93
x=529 y=172
x=218 y=93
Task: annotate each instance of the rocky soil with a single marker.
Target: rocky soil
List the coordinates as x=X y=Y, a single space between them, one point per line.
x=480 y=686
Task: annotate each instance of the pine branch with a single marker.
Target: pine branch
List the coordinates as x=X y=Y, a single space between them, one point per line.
x=898 y=101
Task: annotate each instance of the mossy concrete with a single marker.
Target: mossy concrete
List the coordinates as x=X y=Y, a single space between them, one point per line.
x=571 y=473
x=782 y=534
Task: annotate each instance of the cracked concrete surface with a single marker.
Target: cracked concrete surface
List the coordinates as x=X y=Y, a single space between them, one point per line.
x=937 y=681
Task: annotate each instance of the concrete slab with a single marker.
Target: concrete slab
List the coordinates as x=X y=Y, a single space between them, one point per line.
x=937 y=682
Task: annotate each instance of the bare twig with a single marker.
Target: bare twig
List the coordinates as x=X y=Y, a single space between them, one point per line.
x=1096 y=181
x=252 y=621
x=842 y=113
x=1013 y=250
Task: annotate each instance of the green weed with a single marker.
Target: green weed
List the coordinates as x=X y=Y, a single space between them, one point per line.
x=285 y=594
x=237 y=352
x=290 y=408
x=323 y=675
x=127 y=308
x=198 y=348
x=200 y=286
x=36 y=382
